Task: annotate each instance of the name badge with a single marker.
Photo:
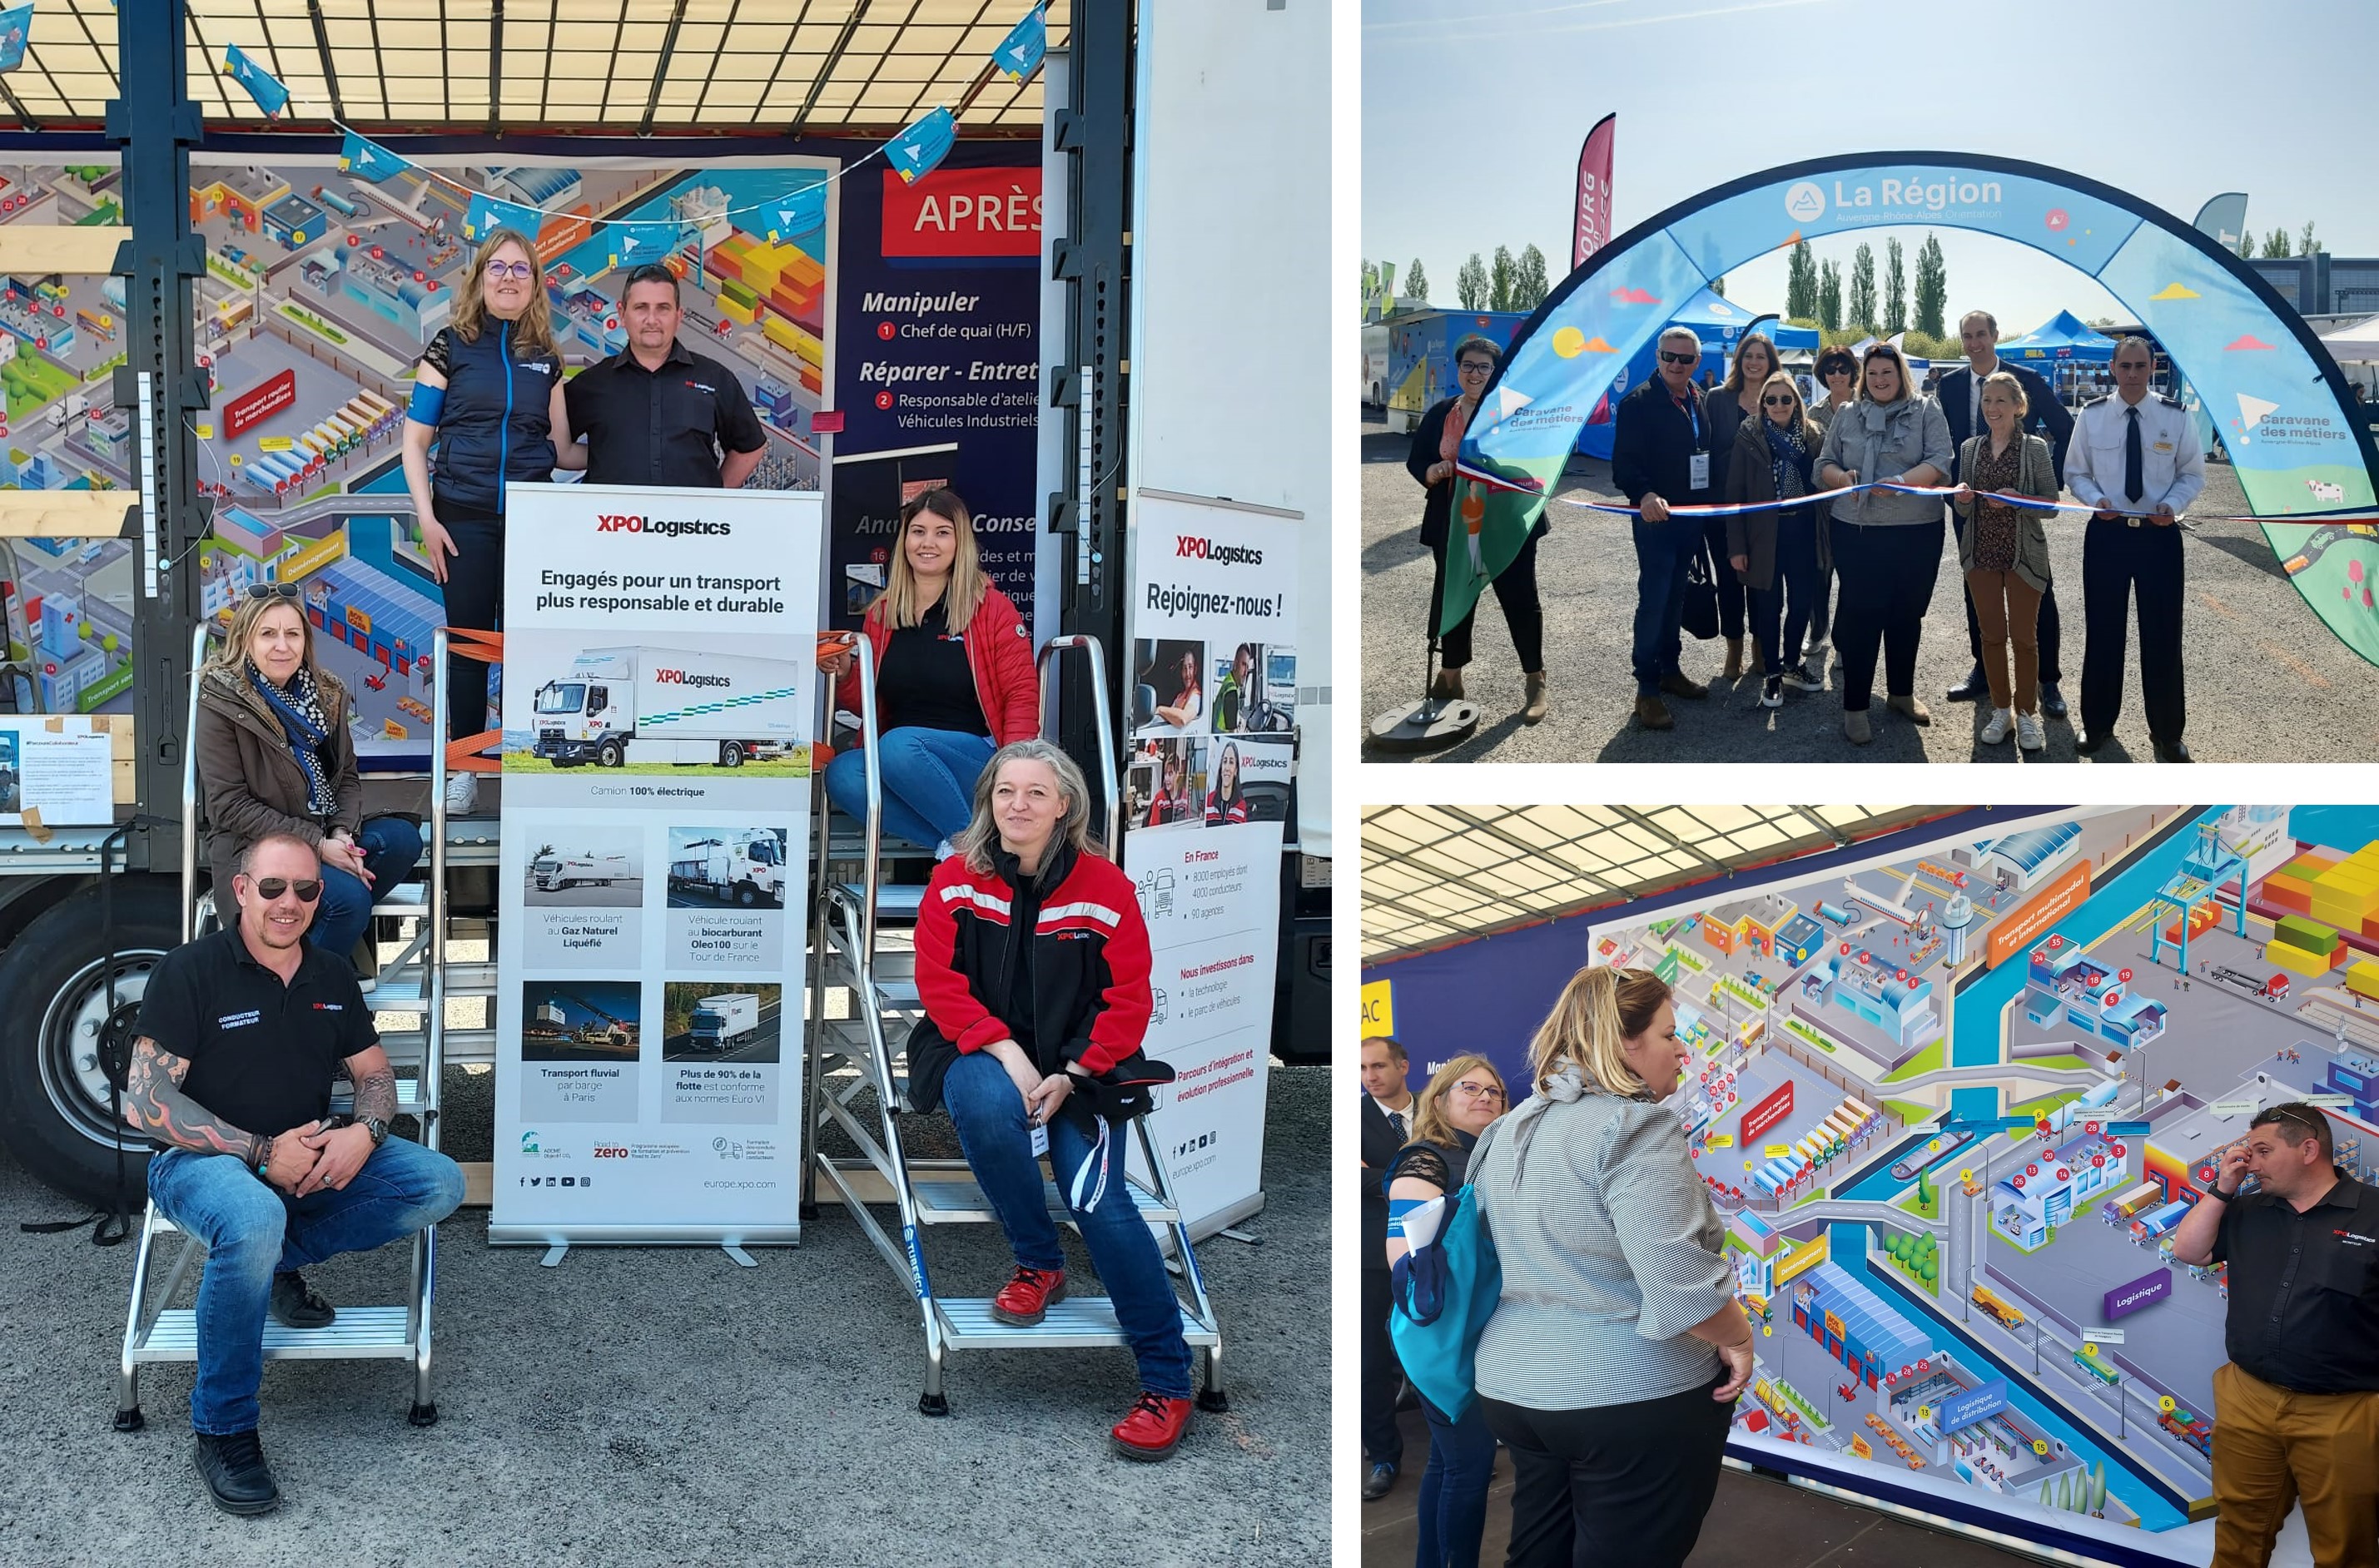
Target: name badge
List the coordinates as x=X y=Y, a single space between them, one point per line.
x=2164 y=446
x=1040 y=1142
x=1699 y=475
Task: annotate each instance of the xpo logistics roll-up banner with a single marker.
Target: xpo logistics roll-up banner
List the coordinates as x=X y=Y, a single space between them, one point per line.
x=1211 y=696
x=658 y=702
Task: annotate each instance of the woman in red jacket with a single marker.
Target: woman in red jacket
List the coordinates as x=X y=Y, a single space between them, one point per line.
x=954 y=679
x=1033 y=965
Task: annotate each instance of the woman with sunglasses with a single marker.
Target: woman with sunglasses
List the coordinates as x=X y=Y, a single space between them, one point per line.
x=1887 y=546
x=275 y=756
x=1436 y=444
x=1775 y=553
x=488 y=391
x=1734 y=406
x=1463 y=1097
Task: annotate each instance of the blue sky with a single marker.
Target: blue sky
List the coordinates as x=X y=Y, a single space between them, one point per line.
x=2211 y=98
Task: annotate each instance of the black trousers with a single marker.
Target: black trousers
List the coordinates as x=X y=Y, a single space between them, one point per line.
x=1516 y=590
x=1732 y=594
x=1619 y=1486
x=2117 y=560
x=1887 y=571
x=475 y=599
x=2051 y=637
x=1381 y=1373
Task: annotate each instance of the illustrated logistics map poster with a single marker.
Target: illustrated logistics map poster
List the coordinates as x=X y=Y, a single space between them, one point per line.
x=1950 y=1104
x=656 y=827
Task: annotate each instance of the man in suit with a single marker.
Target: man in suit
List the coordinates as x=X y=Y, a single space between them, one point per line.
x=1387 y=1127
x=1960 y=395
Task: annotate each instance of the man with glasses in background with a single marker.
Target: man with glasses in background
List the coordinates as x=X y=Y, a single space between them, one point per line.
x=657 y=413
x=1660 y=456
x=2135 y=458
x=2296 y=1408
x=240 y=1035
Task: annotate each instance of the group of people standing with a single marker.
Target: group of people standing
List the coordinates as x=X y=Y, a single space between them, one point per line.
x=1989 y=427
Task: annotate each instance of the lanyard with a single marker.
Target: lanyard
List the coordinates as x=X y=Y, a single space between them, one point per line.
x=1691 y=404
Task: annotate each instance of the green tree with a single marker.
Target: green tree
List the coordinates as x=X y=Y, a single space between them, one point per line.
x=1800 y=281
x=1529 y=285
x=2044 y=1500
x=1717 y=287
x=1924 y=1189
x=1502 y=275
x=2098 y=1488
x=1895 y=288
x=2247 y=246
x=2306 y=244
x=2276 y=244
x=1829 y=296
x=1932 y=288
x=2065 y=1491
x=1859 y=309
x=1470 y=285
x=1932 y=1270
x=1417 y=281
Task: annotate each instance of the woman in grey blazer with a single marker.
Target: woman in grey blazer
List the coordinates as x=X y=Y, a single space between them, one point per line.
x=2005 y=555
x=1611 y=1364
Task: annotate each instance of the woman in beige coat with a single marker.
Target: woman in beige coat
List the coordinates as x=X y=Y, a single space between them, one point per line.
x=2005 y=554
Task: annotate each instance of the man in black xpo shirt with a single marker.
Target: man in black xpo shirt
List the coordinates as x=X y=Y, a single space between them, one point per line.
x=2296 y=1406
x=657 y=413
x=240 y=1033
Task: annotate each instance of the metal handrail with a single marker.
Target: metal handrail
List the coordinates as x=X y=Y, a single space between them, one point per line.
x=874 y=826
x=1110 y=768
x=190 y=784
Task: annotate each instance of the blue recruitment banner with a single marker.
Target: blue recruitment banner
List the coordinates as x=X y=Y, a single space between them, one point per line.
x=1962 y=1410
x=2271 y=393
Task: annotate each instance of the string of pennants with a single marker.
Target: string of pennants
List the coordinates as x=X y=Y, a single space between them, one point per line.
x=912 y=154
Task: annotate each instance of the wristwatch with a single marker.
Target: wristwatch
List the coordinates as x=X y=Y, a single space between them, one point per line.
x=376 y=1128
x=2230 y=1197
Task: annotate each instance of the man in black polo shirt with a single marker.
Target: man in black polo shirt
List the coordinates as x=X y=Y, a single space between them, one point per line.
x=657 y=413
x=240 y=1033
x=2296 y=1410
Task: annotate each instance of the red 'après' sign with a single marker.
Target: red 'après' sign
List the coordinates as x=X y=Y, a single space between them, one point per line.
x=964 y=212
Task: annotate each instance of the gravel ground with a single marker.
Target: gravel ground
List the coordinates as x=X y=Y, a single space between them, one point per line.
x=655 y=1406
x=2265 y=680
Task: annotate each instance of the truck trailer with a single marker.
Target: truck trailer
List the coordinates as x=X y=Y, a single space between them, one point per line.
x=683 y=707
x=555 y=872
x=745 y=867
x=725 y=1019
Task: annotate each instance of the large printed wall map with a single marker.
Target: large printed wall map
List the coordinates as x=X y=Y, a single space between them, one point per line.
x=1951 y=1105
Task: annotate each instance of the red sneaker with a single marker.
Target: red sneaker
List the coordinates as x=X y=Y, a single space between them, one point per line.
x=1026 y=1299
x=1153 y=1428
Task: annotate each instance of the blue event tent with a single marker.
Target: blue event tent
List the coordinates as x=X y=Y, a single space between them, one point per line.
x=2061 y=338
x=1718 y=323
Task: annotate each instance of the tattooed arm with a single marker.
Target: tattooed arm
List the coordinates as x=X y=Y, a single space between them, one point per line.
x=342 y=1151
x=153 y=1101
x=375 y=1083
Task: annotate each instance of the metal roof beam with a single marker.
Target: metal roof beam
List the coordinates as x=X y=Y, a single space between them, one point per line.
x=833 y=58
x=668 y=47
x=323 y=48
x=1526 y=848
x=1632 y=815
x=495 y=65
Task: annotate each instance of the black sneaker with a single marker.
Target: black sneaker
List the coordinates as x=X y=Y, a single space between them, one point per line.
x=1973 y=689
x=1771 y=692
x=295 y=1306
x=1806 y=676
x=238 y=1478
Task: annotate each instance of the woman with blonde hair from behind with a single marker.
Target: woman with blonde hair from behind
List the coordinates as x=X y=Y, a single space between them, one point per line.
x=1463 y=1097
x=1611 y=1364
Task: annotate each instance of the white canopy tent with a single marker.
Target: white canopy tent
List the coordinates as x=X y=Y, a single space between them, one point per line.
x=2359 y=341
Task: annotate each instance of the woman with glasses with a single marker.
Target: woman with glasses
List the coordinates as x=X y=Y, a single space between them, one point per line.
x=1611 y=1365
x=1887 y=546
x=2005 y=552
x=1436 y=445
x=275 y=756
x=1775 y=552
x=488 y=393
x=1463 y=1097
x=1734 y=406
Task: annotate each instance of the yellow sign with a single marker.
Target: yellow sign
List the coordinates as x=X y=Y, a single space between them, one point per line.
x=1833 y=1325
x=1777 y=1151
x=1722 y=1141
x=2040 y=1447
x=360 y=621
x=1925 y=1411
x=2091 y=1351
x=1861 y=1448
x=206 y=432
x=2165 y=1407
x=1379 y=1007
x=273 y=443
x=1966 y=1175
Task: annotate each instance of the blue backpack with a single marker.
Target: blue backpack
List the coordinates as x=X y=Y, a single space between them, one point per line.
x=1443 y=1294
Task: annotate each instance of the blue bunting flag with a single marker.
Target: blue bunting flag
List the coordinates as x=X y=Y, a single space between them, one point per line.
x=1018 y=55
x=914 y=152
x=489 y=213
x=796 y=212
x=261 y=84
x=16 y=28
x=632 y=245
x=368 y=160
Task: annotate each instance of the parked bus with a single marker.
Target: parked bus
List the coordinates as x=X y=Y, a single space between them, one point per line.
x=2091 y=1363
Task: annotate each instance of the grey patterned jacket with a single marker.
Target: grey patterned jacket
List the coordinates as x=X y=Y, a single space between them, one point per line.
x=1609 y=1250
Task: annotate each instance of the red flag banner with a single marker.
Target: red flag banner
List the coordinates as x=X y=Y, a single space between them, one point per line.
x=1593 y=228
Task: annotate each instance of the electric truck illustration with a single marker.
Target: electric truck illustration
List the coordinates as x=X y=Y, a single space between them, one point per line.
x=675 y=706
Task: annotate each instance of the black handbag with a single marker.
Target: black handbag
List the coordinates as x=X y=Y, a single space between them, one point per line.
x=1700 y=618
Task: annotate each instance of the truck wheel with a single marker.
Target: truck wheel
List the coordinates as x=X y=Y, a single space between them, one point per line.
x=730 y=753
x=55 y=1047
x=746 y=895
x=608 y=754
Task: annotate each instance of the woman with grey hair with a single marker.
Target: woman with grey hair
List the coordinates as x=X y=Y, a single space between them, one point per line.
x=1611 y=1365
x=1033 y=964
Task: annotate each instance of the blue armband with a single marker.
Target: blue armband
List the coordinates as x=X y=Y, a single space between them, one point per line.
x=427 y=403
x=1398 y=1208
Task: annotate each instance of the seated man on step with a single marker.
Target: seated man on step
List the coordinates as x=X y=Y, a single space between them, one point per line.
x=241 y=1032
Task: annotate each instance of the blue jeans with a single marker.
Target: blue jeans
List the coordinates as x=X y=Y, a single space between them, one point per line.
x=253 y=1232
x=928 y=778
x=989 y=1111
x=1453 y=1507
x=391 y=847
x=1662 y=550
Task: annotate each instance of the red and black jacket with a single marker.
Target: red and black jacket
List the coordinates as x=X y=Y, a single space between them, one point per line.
x=1000 y=651
x=1090 y=967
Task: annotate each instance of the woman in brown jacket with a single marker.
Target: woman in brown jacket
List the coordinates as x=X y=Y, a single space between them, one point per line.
x=2005 y=553
x=275 y=756
x=1775 y=553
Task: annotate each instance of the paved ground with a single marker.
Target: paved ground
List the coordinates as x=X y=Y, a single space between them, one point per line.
x=661 y=1406
x=2266 y=680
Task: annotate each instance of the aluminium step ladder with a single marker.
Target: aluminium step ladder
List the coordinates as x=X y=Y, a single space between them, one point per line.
x=416 y=982
x=855 y=947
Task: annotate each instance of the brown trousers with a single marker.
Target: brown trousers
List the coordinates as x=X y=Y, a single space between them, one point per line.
x=2008 y=608
x=2274 y=1450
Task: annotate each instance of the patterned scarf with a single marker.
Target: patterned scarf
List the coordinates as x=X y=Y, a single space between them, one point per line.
x=299 y=709
x=1788 y=459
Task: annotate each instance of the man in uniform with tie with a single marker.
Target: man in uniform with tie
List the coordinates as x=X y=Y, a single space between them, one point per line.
x=2136 y=459
x=1388 y=1103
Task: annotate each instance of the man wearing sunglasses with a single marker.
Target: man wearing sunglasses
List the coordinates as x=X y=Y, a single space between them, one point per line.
x=240 y=1035
x=1660 y=455
x=2296 y=1410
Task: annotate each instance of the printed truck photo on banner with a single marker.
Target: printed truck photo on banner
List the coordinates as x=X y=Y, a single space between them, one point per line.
x=653 y=709
x=594 y=868
x=710 y=1022
x=711 y=866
